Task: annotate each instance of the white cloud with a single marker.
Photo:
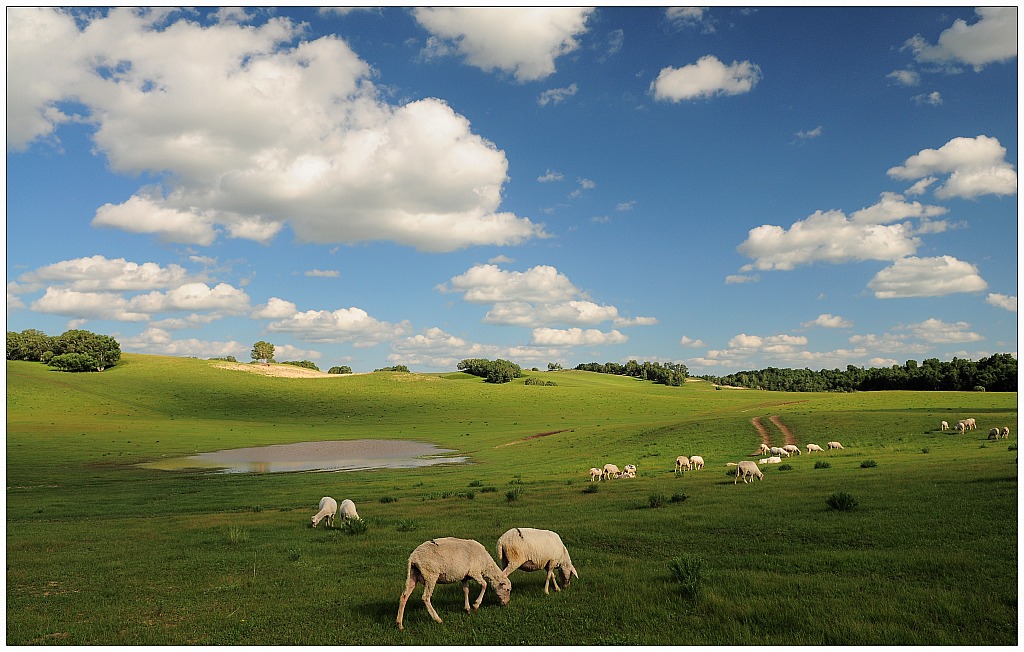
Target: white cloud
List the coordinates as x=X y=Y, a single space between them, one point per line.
x=576 y=337
x=101 y=273
x=892 y=207
x=524 y=41
x=906 y=77
x=550 y=176
x=687 y=17
x=976 y=166
x=585 y=184
x=222 y=298
x=323 y=273
x=353 y=325
x=491 y=284
x=733 y=279
x=556 y=95
x=86 y=305
x=158 y=341
x=926 y=277
x=809 y=133
x=576 y=313
x=921 y=186
x=624 y=322
x=706 y=78
x=275 y=309
x=934 y=98
x=436 y=348
x=827 y=320
x=936 y=331
x=993 y=38
x=690 y=343
x=1002 y=301
x=253 y=129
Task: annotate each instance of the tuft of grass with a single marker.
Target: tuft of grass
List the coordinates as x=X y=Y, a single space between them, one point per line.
x=591 y=488
x=354 y=526
x=688 y=571
x=822 y=464
x=868 y=464
x=841 y=501
x=488 y=490
x=237 y=534
x=388 y=499
x=656 y=500
x=678 y=497
x=512 y=495
x=785 y=467
x=407 y=525
x=926 y=450
x=476 y=483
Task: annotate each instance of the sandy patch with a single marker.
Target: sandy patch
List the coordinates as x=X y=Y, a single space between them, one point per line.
x=278 y=370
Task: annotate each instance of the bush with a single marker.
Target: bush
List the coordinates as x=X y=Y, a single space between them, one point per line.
x=305 y=364
x=785 y=467
x=822 y=464
x=73 y=362
x=841 y=501
x=868 y=464
x=678 y=498
x=689 y=572
x=398 y=367
x=978 y=388
x=344 y=369
x=537 y=381
x=656 y=500
x=354 y=526
x=591 y=489
x=513 y=495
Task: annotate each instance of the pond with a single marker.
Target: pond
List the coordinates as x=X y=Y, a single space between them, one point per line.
x=354 y=455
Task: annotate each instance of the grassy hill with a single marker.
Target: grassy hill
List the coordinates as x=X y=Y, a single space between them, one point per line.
x=102 y=551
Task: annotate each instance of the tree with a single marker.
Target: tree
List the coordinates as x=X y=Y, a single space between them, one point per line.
x=102 y=350
x=343 y=369
x=263 y=352
x=554 y=366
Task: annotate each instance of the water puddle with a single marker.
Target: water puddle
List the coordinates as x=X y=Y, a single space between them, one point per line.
x=355 y=455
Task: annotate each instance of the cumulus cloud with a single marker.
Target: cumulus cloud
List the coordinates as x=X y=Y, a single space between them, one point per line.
x=576 y=337
x=86 y=305
x=926 y=277
x=827 y=320
x=690 y=343
x=158 y=341
x=101 y=273
x=549 y=176
x=976 y=166
x=706 y=78
x=992 y=39
x=254 y=129
x=936 y=331
x=353 y=325
x=222 y=298
x=1002 y=301
x=556 y=95
x=523 y=41
x=433 y=347
x=275 y=309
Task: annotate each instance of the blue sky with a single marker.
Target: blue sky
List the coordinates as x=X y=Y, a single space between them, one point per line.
x=724 y=187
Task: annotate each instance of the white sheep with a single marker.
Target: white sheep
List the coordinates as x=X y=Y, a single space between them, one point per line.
x=813 y=447
x=747 y=469
x=328 y=508
x=1005 y=432
x=682 y=463
x=763 y=449
x=629 y=468
x=790 y=448
x=773 y=460
x=971 y=424
x=610 y=471
x=531 y=549
x=763 y=460
x=781 y=452
x=961 y=426
x=944 y=426
x=697 y=462
x=627 y=474
x=834 y=445
x=994 y=433
x=448 y=560
x=595 y=473
x=348 y=510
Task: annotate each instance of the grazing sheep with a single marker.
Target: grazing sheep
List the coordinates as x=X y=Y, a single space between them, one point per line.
x=763 y=449
x=348 y=510
x=790 y=448
x=697 y=462
x=960 y=426
x=1005 y=432
x=971 y=424
x=595 y=473
x=781 y=452
x=627 y=474
x=682 y=462
x=531 y=549
x=994 y=433
x=747 y=469
x=813 y=447
x=834 y=445
x=448 y=560
x=610 y=471
x=773 y=460
x=944 y=426
x=328 y=508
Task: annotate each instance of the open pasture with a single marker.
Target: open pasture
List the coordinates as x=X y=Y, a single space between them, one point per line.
x=100 y=551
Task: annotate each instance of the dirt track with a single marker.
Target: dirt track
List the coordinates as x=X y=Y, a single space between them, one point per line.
x=787 y=434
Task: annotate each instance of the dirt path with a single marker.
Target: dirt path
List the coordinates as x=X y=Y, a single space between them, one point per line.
x=786 y=432
x=756 y=421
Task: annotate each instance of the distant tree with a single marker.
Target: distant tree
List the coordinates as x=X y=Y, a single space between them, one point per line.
x=30 y=344
x=344 y=369
x=263 y=352
x=305 y=364
x=103 y=350
x=227 y=358
x=503 y=371
x=397 y=367
x=554 y=366
x=74 y=362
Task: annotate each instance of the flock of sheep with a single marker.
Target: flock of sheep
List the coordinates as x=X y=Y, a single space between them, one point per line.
x=970 y=424
x=447 y=560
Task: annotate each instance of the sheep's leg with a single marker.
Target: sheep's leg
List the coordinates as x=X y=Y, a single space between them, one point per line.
x=550 y=578
x=483 y=589
x=465 y=593
x=428 y=590
x=410 y=584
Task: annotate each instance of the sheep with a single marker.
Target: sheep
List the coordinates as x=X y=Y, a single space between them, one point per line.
x=595 y=473
x=773 y=460
x=763 y=449
x=697 y=462
x=348 y=510
x=730 y=463
x=944 y=426
x=328 y=508
x=763 y=460
x=682 y=462
x=994 y=433
x=627 y=474
x=1005 y=432
x=835 y=445
x=960 y=426
x=781 y=452
x=448 y=560
x=610 y=471
x=792 y=449
x=971 y=424
x=531 y=549
x=813 y=447
x=746 y=468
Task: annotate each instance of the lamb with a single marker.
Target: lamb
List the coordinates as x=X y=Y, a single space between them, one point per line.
x=781 y=452
x=682 y=462
x=791 y=449
x=610 y=471
x=595 y=473
x=763 y=449
x=944 y=426
x=348 y=510
x=813 y=447
x=531 y=549
x=328 y=508
x=773 y=460
x=745 y=469
x=835 y=445
x=697 y=462
x=1005 y=432
x=448 y=560
x=994 y=433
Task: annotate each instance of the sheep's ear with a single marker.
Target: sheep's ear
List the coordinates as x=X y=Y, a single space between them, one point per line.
x=574 y=573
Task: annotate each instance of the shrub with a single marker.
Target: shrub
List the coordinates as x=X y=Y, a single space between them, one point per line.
x=656 y=500
x=841 y=501
x=678 y=498
x=354 y=526
x=73 y=362
x=868 y=464
x=537 y=381
x=305 y=364
x=822 y=464
x=398 y=367
x=689 y=572
x=785 y=467
x=513 y=495
x=978 y=388
x=591 y=489
x=343 y=369
x=388 y=499
x=476 y=483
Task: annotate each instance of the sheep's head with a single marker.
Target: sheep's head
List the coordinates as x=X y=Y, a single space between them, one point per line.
x=568 y=572
x=503 y=587
x=313 y=520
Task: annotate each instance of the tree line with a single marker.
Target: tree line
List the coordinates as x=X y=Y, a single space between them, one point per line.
x=73 y=350
x=672 y=374
x=996 y=373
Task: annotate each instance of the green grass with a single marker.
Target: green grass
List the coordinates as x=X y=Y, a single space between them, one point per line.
x=102 y=552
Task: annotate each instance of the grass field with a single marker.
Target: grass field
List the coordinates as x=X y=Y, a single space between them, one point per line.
x=101 y=551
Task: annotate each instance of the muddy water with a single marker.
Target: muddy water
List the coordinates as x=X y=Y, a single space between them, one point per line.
x=355 y=455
